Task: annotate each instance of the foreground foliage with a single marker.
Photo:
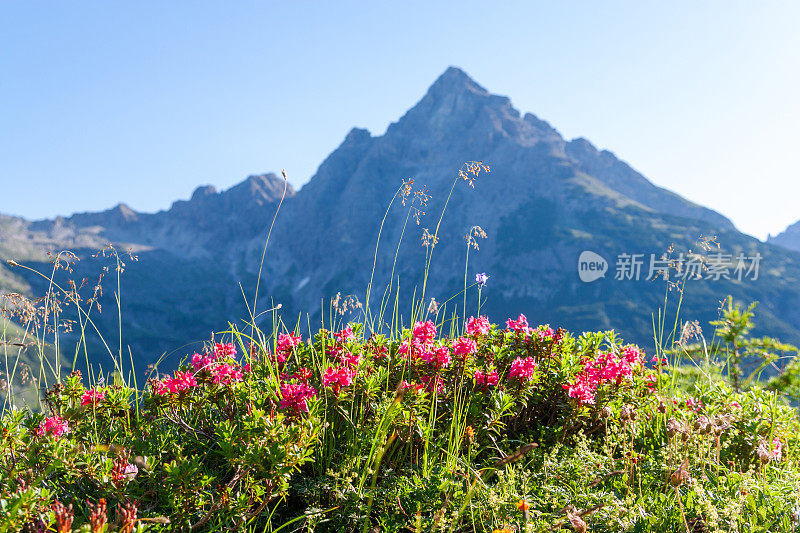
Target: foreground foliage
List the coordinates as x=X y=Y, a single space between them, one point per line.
x=443 y=426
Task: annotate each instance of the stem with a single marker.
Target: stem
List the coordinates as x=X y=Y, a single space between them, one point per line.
x=269 y=234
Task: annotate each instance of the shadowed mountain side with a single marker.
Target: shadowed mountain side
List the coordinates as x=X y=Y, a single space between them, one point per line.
x=545 y=201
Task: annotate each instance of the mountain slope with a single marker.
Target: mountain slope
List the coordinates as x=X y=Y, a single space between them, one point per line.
x=788 y=238
x=545 y=201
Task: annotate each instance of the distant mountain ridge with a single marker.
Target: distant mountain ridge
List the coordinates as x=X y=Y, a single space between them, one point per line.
x=788 y=238
x=546 y=200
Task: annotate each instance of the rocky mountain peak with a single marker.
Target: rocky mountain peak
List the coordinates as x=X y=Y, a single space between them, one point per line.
x=788 y=238
x=258 y=189
x=119 y=215
x=125 y=212
x=202 y=192
x=357 y=135
x=455 y=81
x=456 y=106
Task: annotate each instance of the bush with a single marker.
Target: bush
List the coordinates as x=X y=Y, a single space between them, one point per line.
x=481 y=428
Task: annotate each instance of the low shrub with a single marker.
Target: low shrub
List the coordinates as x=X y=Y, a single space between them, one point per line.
x=440 y=426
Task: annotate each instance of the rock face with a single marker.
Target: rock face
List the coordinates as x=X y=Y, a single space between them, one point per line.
x=545 y=201
x=788 y=238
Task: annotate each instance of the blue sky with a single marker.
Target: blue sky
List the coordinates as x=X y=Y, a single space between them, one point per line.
x=143 y=101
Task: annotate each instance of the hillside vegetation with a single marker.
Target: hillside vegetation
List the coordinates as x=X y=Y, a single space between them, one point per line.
x=441 y=426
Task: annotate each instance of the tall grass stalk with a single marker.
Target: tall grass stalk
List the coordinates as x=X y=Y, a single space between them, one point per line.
x=266 y=241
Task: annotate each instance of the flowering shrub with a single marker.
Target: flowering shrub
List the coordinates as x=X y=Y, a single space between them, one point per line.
x=487 y=427
x=522 y=369
x=52 y=425
x=92 y=397
x=477 y=326
x=605 y=368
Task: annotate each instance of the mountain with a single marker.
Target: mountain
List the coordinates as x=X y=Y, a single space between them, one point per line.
x=788 y=238
x=546 y=200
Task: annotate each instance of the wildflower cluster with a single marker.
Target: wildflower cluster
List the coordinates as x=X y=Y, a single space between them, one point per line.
x=486 y=379
x=345 y=362
x=477 y=326
x=92 y=397
x=522 y=369
x=182 y=381
x=605 y=367
x=52 y=425
x=216 y=366
x=297 y=425
x=295 y=396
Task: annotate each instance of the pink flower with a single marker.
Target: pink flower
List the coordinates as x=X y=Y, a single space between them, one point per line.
x=295 y=396
x=286 y=342
x=424 y=332
x=519 y=325
x=769 y=451
x=335 y=378
x=345 y=335
x=522 y=369
x=185 y=379
x=632 y=355
x=131 y=471
x=415 y=387
x=334 y=350
x=54 y=425
x=478 y=326
x=225 y=374
x=437 y=357
x=612 y=368
x=582 y=389
x=224 y=350
x=545 y=333
x=486 y=379
x=775 y=453
x=202 y=361
x=606 y=367
x=352 y=359
x=581 y=392
x=405 y=349
x=92 y=397
x=464 y=347
x=181 y=382
x=651 y=381
x=415 y=349
x=735 y=405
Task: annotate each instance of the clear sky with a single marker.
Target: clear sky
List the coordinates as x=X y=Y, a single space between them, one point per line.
x=102 y=102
